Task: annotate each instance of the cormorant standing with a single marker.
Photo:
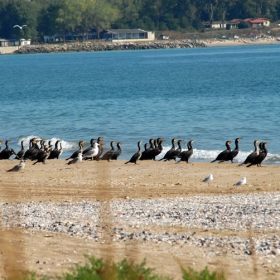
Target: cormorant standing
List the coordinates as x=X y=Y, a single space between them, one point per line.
x=159 y=142
x=108 y=155
x=42 y=143
x=56 y=152
x=78 y=158
x=81 y=148
x=262 y=155
x=232 y=154
x=253 y=155
x=223 y=155
x=185 y=155
x=7 y=152
x=158 y=148
x=20 y=154
x=177 y=152
x=90 y=154
x=50 y=144
x=146 y=155
x=32 y=150
x=90 y=147
x=169 y=152
x=137 y=155
x=118 y=152
x=145 y=152
x=17 y=167
x=42 y=155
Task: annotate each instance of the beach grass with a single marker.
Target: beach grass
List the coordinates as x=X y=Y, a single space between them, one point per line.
x=98 y=269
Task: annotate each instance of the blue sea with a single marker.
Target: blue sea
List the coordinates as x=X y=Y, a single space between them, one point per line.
x=210 y=95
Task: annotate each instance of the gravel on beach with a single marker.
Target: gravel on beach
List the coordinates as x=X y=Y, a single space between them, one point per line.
x=136 y=218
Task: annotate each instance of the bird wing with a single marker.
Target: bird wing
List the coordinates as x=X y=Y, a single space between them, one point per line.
x=17 y=26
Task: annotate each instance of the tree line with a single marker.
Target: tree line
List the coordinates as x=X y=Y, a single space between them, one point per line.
x=49 y=17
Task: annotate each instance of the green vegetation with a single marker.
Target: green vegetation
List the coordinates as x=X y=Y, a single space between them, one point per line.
x=202 y=275
x=50 y=17
x=97 y=269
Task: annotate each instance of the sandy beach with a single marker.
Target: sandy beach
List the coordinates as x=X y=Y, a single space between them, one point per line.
x=110 y=186
x=241 y=42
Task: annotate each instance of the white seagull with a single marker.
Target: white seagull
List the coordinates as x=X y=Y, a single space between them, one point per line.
x=208 y=179
x=17 y=167
x=92 y=152
x=241 y=182
x=20 y=27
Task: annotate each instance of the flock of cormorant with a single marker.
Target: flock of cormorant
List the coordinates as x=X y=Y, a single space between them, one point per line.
x=45 y=151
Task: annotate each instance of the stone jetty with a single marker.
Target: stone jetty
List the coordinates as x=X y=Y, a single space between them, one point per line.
x=109 y=46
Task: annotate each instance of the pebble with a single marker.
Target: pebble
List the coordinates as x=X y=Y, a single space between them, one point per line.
x=136 y=219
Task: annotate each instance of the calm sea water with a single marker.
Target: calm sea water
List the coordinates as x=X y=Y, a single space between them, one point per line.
x=210 y=95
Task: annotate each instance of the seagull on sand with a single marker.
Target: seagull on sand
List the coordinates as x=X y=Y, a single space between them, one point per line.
x=208 y=179
x=241 y=182
x=77 y=159
x=17 y=167
x=20 y=27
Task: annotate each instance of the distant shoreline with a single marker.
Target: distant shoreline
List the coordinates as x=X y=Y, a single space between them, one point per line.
x=241 y=42
x=117 y=46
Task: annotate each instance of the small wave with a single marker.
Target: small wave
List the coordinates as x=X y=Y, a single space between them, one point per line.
x=65 y=144
x=209 y=155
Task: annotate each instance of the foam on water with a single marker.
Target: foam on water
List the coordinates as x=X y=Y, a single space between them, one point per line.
x=209 y=155
x=65 y=144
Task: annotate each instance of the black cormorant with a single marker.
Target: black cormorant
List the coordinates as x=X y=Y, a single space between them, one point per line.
x=169 y=152
x=80 y=150
x=21 y=152
x=232 y=154
x=137 y=155
x=78 y=158
x=185 y=155
x=177 y=152
x=90 y=147
x=32 y=150
x=253 y=155
x=262 y=155
x=223 y=155
x=158 y=148
x=108 y=155
x=146 y=155
x=56 y=152
x=7 y=152
x=42 y=155
x=118 y=152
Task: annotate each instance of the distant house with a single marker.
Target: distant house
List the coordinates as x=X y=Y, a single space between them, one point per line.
x=14 y=42
x=127 y=35
x=233 y=24
x=164 y=37
x=215 y=25
x=259 y=22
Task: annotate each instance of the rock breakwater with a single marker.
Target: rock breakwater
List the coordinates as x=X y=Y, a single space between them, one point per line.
x=108 y=46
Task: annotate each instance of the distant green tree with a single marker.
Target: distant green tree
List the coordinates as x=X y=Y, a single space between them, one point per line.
x=17 y=12
x=104 y=15
x=128 y=13
x=47 y=20
x=69 y=16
